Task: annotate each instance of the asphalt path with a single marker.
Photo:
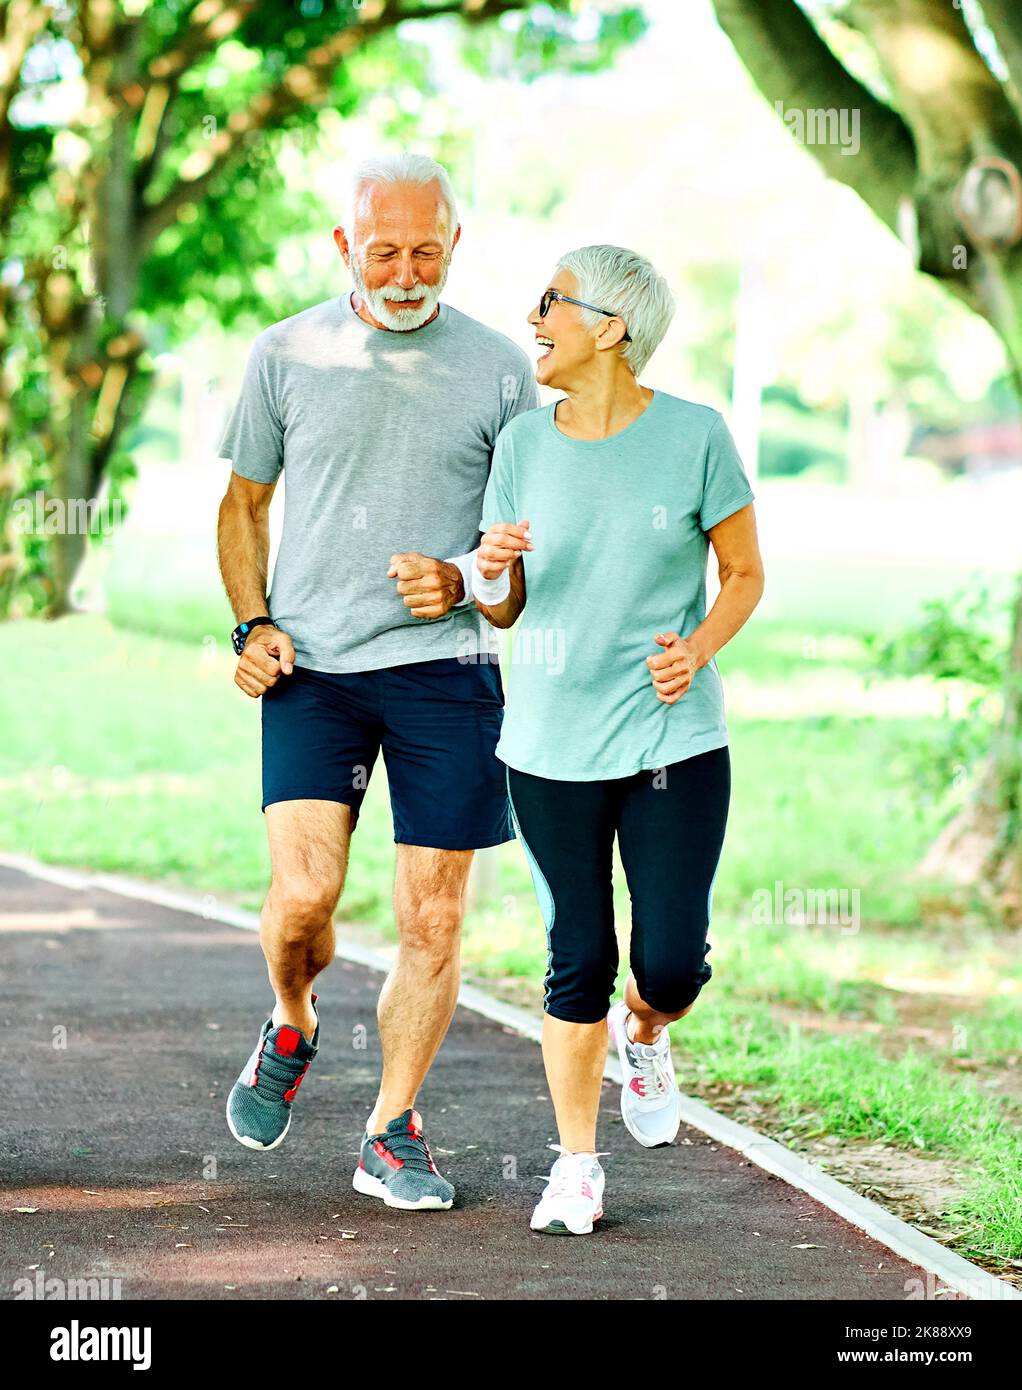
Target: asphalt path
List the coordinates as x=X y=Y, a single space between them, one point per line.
x=122 y=1027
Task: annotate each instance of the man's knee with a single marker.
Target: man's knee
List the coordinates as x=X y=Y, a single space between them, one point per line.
x=301 y=905
x=431 y=924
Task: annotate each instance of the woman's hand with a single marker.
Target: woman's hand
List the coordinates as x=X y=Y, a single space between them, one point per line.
x=673 y=668
x=499 y=546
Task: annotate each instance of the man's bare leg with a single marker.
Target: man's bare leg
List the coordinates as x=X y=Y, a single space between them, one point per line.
x=419 y=995
x=309 y=856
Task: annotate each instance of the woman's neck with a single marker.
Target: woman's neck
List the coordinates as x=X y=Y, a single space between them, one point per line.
x=596 y=409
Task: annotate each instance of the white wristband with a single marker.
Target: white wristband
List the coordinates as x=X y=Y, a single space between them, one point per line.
x=490 y=591
x=466 y=563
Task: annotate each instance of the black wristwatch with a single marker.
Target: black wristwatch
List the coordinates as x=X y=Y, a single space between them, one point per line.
x=240 y=634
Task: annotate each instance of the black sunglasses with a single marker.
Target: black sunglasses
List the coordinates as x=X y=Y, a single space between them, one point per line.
x=550 y=295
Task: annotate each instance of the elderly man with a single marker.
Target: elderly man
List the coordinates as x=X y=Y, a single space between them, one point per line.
x=381 y=409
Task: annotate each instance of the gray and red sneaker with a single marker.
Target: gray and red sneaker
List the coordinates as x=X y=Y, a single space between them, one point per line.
x=259 y=1105
x=398 y=1167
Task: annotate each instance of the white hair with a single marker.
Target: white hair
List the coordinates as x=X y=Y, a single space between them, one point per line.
x=416 y=169
x=627 y=285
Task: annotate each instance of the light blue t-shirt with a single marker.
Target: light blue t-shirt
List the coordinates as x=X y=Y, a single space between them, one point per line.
x=619 y=528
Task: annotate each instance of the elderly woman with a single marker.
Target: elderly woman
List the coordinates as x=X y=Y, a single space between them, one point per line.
x=598 y=516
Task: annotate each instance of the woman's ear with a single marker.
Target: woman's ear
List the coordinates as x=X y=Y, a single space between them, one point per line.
x=612 y=333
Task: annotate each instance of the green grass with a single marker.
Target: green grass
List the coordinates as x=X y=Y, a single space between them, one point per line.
x=835 y=1085
x=136 y=753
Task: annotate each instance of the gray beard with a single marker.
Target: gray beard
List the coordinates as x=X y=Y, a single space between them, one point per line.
x=401 y=320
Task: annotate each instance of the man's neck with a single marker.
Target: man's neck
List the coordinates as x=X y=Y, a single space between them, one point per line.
x=362 y=310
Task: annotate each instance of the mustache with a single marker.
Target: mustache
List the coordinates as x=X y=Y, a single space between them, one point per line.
x=397 y=295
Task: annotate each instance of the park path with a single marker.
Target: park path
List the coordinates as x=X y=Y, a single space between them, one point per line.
x=119 y=1143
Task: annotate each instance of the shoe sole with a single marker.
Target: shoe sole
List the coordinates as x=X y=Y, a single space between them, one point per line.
x=251 y=1143
x=558 y=1228
x=375 y=1187
x=639 y=1138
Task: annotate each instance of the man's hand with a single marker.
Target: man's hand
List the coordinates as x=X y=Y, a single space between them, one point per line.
x=430 y=588
x=673 y=668
x=268 y=653
x=499 y=546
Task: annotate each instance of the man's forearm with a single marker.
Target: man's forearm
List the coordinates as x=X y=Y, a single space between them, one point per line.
x=506 y=614
x=463 y=564
x=243 y=550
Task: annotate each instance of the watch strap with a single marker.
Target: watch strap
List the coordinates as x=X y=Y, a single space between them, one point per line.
x=240 y=634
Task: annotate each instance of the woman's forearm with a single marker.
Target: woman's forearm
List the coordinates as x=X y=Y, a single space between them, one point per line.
x=738 y=597
x=506 y=614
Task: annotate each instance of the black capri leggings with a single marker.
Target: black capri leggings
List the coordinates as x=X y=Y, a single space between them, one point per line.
x=670 y=827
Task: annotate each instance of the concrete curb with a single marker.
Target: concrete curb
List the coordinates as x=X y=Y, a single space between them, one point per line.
x=950 y=1269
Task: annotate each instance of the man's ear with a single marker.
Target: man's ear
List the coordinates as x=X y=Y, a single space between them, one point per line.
x=341 y=242
x=457 y=236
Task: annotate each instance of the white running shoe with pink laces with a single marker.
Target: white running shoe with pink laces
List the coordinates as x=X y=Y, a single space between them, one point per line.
x=650 y=1100
x=573 y=1198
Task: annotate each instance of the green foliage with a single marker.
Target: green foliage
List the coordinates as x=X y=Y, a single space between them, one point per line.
x=963 y=638
x=961 y=643
x=528 y=43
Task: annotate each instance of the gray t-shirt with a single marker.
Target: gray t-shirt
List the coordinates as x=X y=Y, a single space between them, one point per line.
x=385 y=439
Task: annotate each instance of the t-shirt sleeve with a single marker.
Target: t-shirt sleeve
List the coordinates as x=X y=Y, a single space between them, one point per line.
x=499 y=497
x=726 y=488
x=254 y=437
x=518 y=393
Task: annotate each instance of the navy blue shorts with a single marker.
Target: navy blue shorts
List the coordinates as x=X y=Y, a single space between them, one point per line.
x=437 y=723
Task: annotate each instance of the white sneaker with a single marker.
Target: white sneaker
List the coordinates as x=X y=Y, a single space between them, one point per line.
x=650 y=1100
x=573 y=1198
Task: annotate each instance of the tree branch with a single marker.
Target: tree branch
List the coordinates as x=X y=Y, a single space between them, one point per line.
x=1004 y=20
x=791 y=64
x=303 y=84
x=210 y=23
x=954 y=104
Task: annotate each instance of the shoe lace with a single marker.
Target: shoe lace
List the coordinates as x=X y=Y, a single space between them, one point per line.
x=654 y=1075
x=275 y=1076
x=411 y=1148
x=570 y=1179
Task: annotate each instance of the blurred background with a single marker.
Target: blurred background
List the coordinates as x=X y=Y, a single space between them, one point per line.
x=832 y=192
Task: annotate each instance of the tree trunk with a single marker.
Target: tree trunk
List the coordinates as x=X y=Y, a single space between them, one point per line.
x=92 y=352
x=951 y=110
x=982 y=844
